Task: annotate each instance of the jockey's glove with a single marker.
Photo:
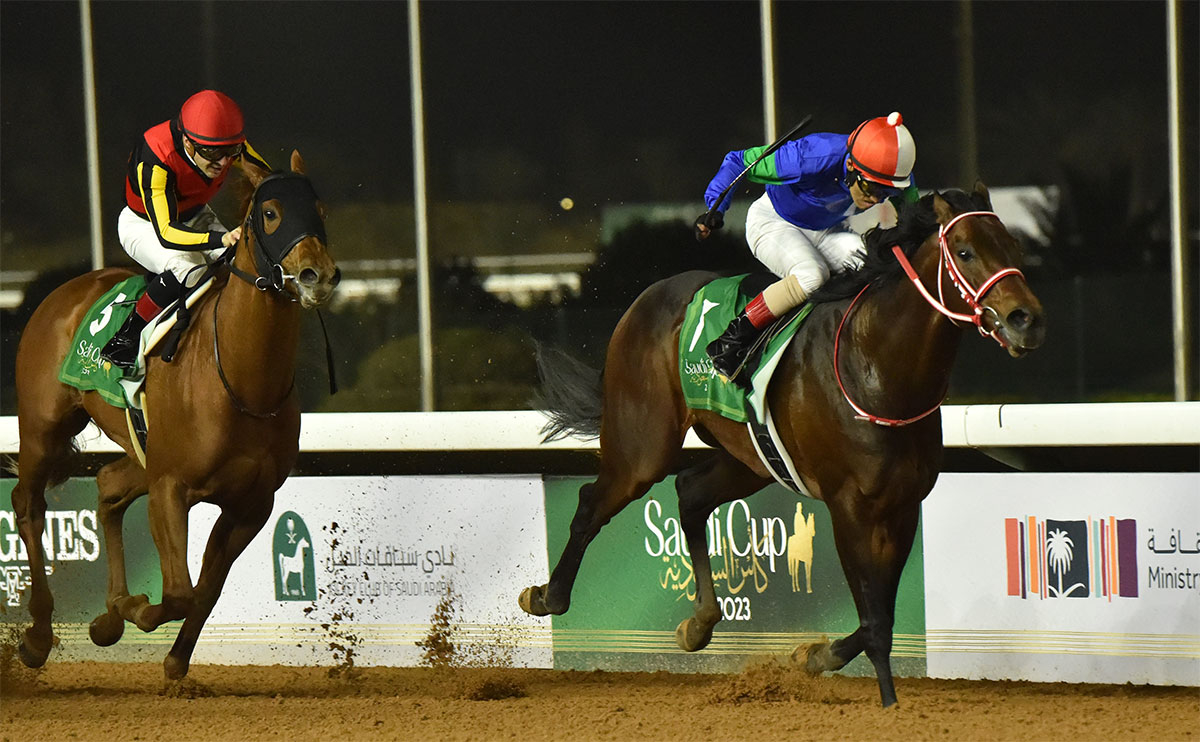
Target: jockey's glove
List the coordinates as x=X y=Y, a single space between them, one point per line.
x=713 y=220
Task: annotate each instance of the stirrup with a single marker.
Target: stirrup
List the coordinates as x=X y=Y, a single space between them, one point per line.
x=121 y=351
x=738 y=377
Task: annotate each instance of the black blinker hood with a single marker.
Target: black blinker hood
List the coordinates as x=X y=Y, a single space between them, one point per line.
x=301 y=219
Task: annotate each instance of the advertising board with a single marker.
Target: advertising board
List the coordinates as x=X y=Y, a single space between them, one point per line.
x=353 y=569
x=1048 y=577
x=347 y=570
x=776 y=574
x=1064 y=577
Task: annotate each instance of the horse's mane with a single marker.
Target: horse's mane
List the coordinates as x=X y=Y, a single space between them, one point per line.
x=916 y=221
x=243 y=191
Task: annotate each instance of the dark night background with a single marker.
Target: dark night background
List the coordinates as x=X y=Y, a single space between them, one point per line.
x=619 y=106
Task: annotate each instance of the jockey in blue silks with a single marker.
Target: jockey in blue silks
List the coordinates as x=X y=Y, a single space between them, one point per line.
x=797 y=229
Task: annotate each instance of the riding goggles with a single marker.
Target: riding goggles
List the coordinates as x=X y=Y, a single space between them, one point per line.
x=870 y=188
x=216 y=154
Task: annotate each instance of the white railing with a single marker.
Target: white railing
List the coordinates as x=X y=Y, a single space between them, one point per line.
x=971 y=426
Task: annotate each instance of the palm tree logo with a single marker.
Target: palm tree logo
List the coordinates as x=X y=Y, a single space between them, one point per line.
x=1060 y=552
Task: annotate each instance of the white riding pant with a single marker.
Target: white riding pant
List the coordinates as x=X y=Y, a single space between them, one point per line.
x=810 y=255
x=140 y=241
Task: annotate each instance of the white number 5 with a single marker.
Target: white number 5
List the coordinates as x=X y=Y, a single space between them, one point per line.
x=101 y=322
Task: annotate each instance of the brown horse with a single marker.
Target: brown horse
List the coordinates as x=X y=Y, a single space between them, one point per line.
x=893 y=359
x=223 y=418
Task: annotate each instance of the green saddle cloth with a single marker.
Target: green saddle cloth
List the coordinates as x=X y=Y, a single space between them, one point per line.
x=709 y=313
x=82 y=368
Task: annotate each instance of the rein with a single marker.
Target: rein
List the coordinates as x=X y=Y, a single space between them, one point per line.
x=972 y=296
x=288 y=186
x=237 y=403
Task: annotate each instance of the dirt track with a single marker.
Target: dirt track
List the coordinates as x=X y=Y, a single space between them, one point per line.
x=88 y=701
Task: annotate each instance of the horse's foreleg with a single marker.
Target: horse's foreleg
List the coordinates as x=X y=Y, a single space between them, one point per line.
x=229 y=538
x=701 y=489
x=168 y=512
x=119 y=484
x=873 y=552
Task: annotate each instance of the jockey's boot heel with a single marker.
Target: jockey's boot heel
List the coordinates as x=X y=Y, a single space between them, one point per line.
x=122 y=350
x=728 y=352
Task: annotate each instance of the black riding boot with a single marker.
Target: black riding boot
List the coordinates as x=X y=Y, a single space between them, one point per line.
x=122 y=350
x=729 y=351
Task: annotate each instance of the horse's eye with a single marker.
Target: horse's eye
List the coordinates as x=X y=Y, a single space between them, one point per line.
x=965 y=254
x=269 y=213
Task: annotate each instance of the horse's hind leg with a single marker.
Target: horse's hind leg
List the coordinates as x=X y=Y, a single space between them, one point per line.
x=599 y=502
x=635 y=454
x=119 y=484
x=229 y=538
x=45 y=449
x=641 y=435
x=717 y=480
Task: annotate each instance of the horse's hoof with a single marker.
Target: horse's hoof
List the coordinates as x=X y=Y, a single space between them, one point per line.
x=29 y=658
x=532 y=601
x=817 y=658
x=690 y=637
x=106 y=629
x=174 y=668
x=32 y=651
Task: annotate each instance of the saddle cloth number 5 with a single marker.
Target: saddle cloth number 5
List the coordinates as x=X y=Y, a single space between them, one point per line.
x=101 y=322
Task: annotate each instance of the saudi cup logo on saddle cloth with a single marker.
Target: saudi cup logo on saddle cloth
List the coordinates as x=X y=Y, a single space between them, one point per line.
x=700 y=369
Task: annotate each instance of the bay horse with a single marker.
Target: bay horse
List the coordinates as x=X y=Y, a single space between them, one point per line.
x=223 y=418
x=884 y=357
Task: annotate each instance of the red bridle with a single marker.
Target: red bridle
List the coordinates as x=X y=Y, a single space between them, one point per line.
x=972 y=296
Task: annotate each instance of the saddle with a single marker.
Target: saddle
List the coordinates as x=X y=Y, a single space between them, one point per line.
x=83 y=369
x=710 y=310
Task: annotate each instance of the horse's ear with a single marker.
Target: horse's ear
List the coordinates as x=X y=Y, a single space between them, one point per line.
x=942 y=209
x=981 y=191
x=297 y=162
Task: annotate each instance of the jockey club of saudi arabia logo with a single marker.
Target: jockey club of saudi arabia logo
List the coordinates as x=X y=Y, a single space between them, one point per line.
x=292 y=559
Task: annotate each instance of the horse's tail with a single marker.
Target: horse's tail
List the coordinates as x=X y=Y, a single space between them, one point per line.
x=571 y=395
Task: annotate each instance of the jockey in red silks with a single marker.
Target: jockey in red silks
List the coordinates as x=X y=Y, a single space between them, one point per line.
x=167 y=225
x=798 y=229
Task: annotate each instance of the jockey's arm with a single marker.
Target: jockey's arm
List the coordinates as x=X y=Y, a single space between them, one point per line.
x=730 y=168
x=157 y=186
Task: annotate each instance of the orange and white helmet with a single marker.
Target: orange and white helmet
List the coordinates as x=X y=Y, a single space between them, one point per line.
x=211 y=118
x=883 y=150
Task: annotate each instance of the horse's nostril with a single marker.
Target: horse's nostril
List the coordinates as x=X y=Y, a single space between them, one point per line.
x=308 y=276
x=1018 y=319
x=337 y=277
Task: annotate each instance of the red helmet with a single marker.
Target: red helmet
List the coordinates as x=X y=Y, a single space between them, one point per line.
x=883 y=150
x=212 y=118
